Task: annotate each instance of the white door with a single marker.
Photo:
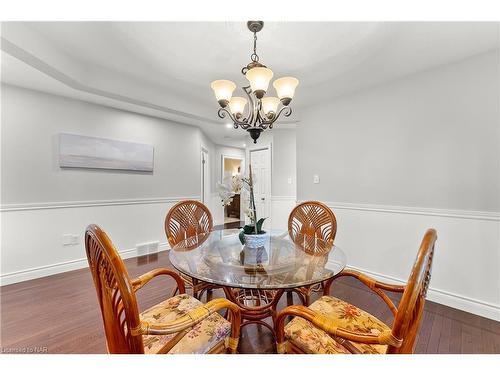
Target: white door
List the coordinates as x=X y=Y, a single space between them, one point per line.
x=205 y=177
x=261 y=168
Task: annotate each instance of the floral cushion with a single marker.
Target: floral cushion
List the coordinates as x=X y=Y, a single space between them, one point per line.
x=200 y=339
x=310 y=339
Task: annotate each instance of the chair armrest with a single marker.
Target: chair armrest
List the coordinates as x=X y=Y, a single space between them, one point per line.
x=328 y=325
x=376 y=286
x=371 y=282
x=142 y=280
x=192 y=318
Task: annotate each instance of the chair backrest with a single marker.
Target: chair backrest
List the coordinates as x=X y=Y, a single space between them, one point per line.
x=187 y=219
x=116 y=296
x=313 y=220
x=411 y=307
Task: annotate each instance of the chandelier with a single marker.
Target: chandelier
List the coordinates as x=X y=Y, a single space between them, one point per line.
x=263 y=110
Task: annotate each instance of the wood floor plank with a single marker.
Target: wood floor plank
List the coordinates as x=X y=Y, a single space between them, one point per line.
x=425 y=332
x=488 y=340
x=435 y=334
x=467 y=343
x=455 y=345
x=444 y=339
x=475 y=338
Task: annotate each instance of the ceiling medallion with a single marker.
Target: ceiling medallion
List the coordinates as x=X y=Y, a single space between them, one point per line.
x=263 y=110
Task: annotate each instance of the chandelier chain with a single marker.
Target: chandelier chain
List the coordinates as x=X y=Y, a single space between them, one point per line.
x=254 y=56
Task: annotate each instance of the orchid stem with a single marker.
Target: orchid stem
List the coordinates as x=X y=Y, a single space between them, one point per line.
x=252 y=200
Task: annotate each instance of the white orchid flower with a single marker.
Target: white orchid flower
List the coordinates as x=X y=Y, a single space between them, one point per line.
x=237 y=183
x=225 y=193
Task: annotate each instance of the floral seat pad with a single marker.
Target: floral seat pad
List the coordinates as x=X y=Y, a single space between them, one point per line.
x=200 y=339
x=312 y=340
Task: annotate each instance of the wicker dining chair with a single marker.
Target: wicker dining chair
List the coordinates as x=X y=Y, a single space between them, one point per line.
x=180 y=324
x=190 y=221
x=309 y=221
x=333 y=326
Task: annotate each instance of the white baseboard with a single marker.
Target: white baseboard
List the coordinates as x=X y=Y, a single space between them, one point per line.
x=473 y=306
x=53 y=269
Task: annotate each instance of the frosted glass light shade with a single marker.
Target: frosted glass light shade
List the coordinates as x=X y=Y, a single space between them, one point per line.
x=285 y=88
x=223 y=90
x=270 y=105
x=237 y=105
x=259 y=79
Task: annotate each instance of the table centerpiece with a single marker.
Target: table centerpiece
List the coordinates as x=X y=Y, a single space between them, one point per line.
x=252 y=235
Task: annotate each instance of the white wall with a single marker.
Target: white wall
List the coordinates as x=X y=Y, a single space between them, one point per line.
x=412 y=154
x=31 y=122
x=284 y=163
x=41 y=202
x=430 y=140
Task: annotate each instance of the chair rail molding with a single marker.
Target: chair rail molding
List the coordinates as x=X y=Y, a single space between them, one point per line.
x=91 y=203
x=462 y=214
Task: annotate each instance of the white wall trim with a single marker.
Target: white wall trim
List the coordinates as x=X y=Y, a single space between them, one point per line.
x=92 y=203
x=461 y=214
x=471 y=305
x=282 y=198
x=61 y=267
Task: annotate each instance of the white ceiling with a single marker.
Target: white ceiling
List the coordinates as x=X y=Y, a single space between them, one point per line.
x=165 y=68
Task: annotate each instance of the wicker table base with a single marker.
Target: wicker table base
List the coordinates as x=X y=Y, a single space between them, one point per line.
x=255 y=305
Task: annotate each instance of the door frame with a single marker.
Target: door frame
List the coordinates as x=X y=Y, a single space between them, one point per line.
x=243 y=170
x=205 y=200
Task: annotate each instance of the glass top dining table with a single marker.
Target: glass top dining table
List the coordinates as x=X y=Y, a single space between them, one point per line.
x=282 y=263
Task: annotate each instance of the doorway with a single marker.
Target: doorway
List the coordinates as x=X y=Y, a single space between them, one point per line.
x=232 y=167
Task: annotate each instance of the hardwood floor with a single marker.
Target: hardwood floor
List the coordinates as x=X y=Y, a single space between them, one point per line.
x=59 y=314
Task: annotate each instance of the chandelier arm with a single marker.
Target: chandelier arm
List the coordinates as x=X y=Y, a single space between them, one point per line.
x=223 y=112
x=251 y=105
x=261 y=121
x=264 y=123
x=258 y=117
x=286 y=111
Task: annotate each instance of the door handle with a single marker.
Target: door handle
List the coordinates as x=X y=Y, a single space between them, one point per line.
x=263 y=199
